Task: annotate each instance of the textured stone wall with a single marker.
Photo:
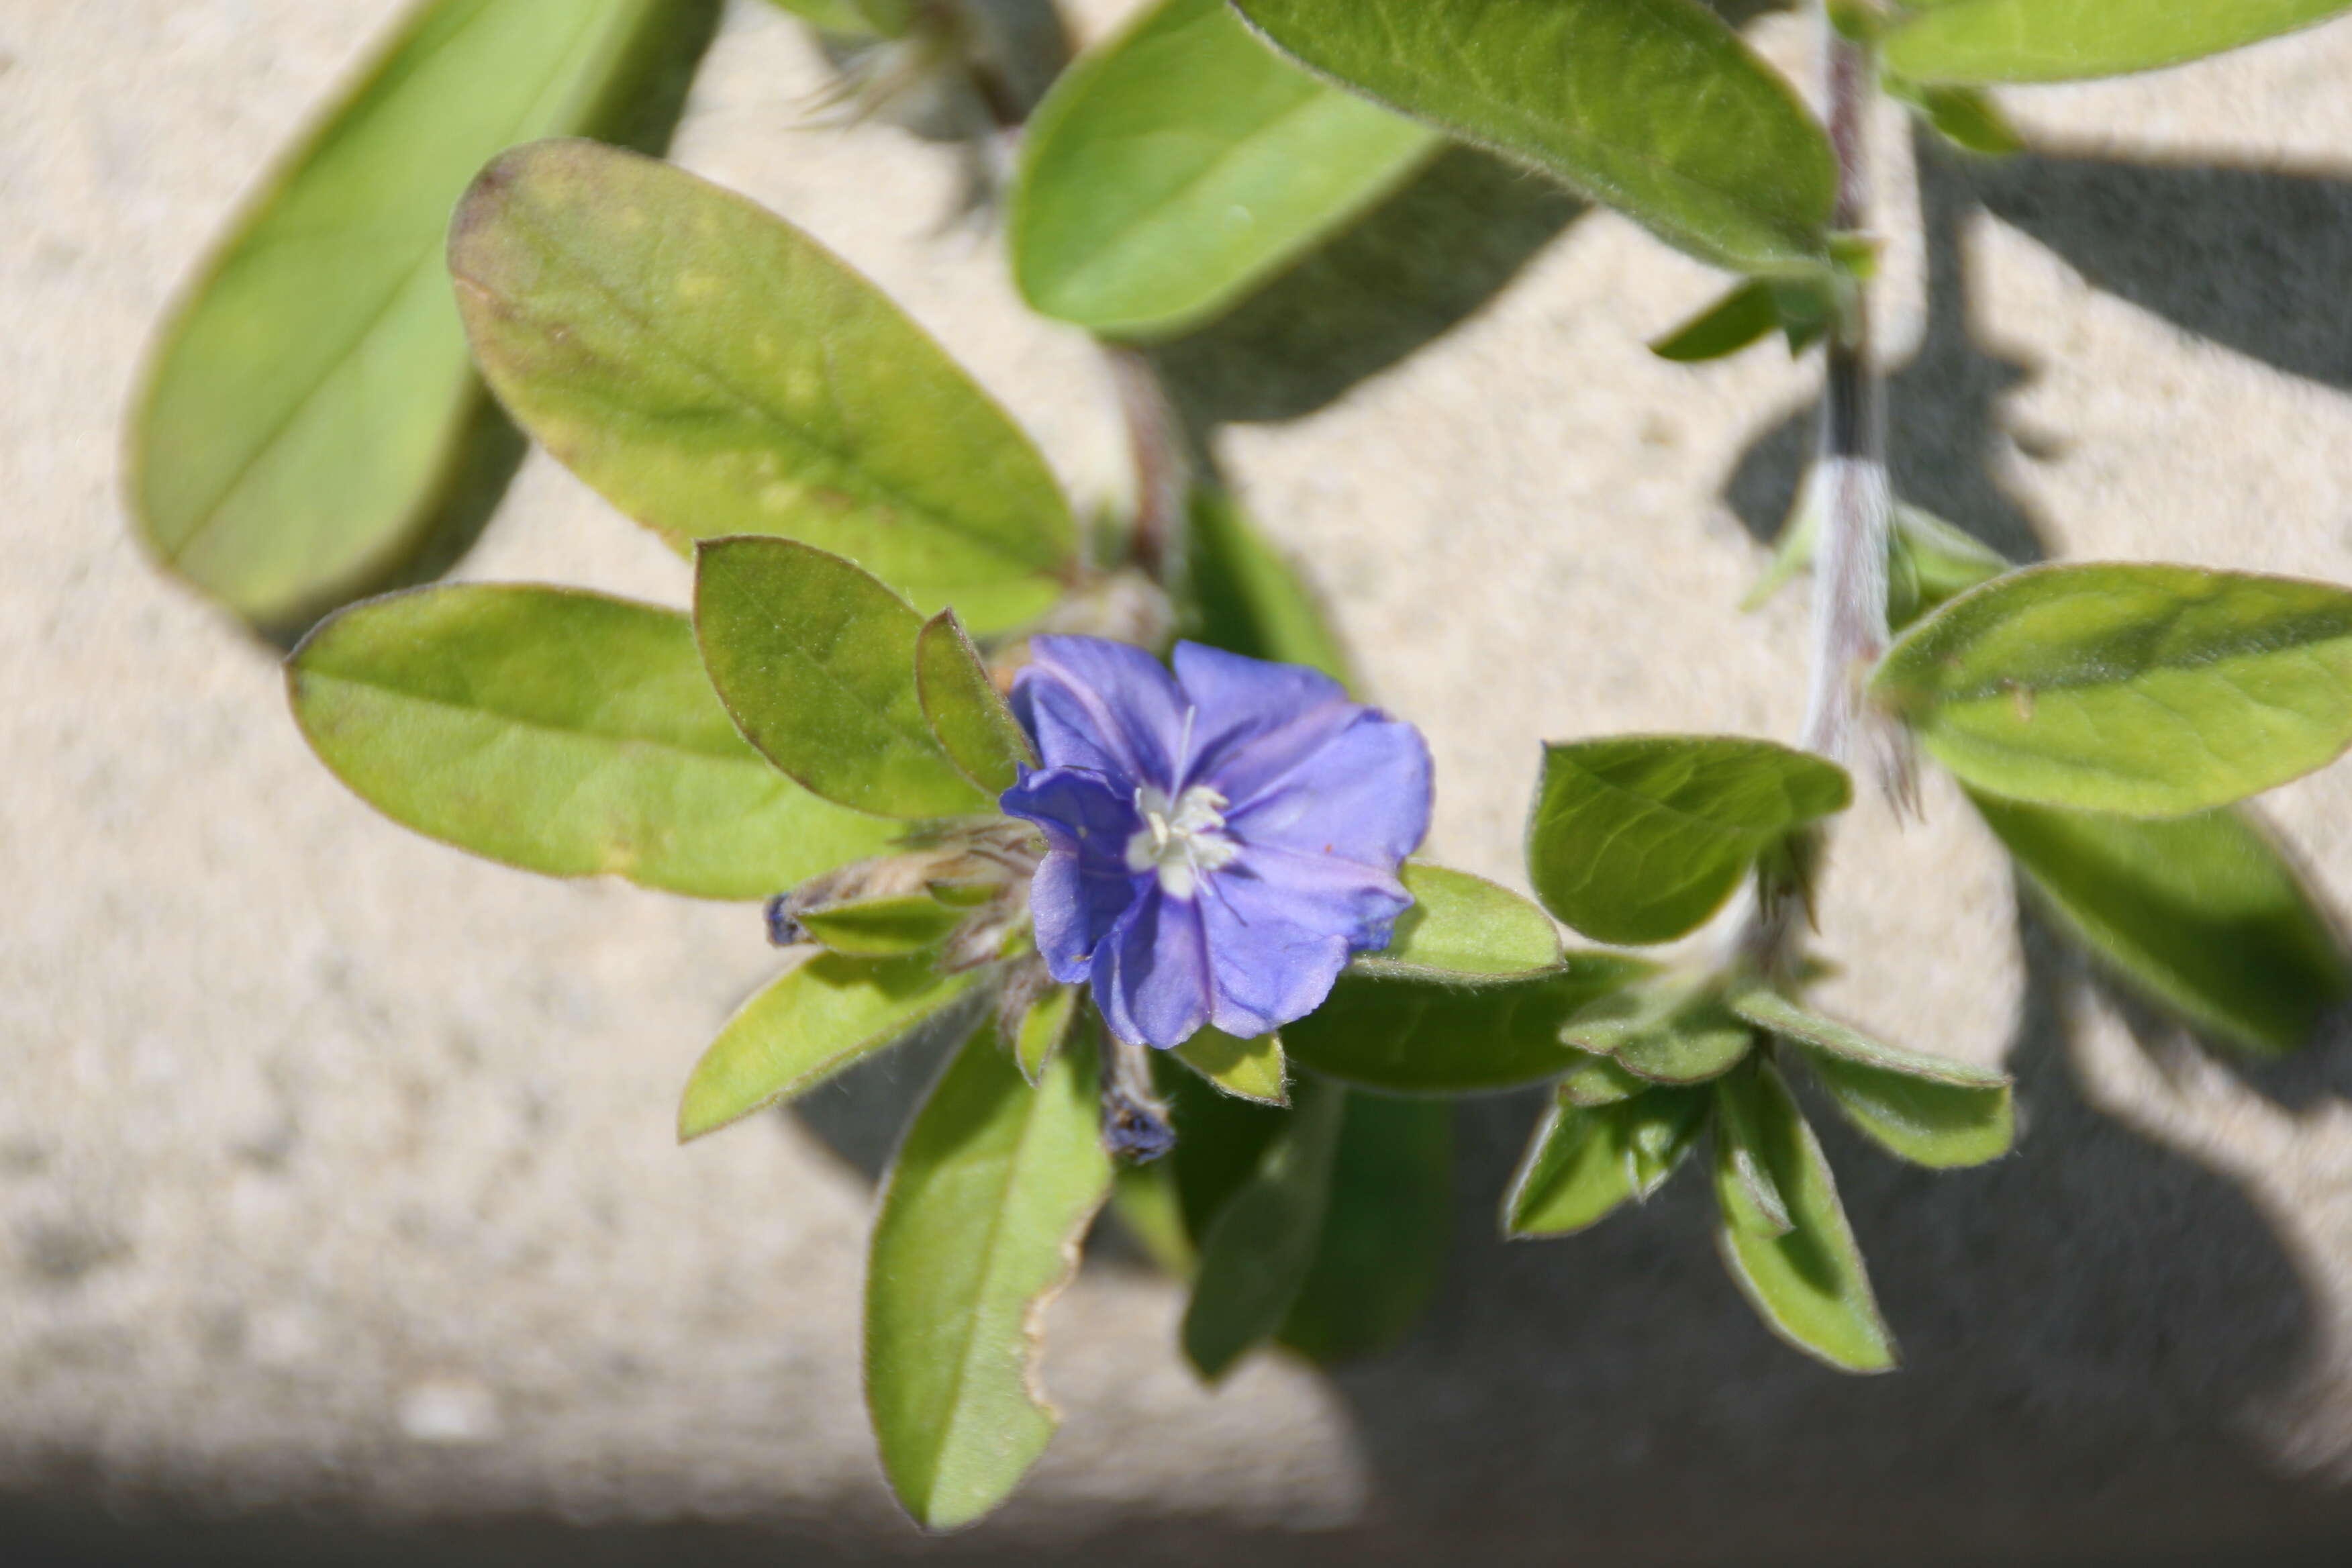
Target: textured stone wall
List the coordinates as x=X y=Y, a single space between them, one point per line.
x=336 y=1179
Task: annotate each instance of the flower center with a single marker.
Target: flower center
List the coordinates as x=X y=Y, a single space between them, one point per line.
x=1183 y=841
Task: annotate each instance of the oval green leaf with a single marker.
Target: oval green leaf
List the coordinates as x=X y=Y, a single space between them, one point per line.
x=1734 y=322
x=563 y=732
x=816 y=659
x=1463 y=928
x=1639 y=838
x=712 y=371
x=1651 y=106
x=1415 y=1037
x=966 y=713
x=2064 y=40
x=979 y=1228
x=1174 y=169
x=311 y=424
x=2142 y=691
x=2203 y=913
x=1043 y=1030
x=1246 y=1070
x=827 y=1012
x=1775 y=1014
x=1807 y=1283
x=1258 y=1251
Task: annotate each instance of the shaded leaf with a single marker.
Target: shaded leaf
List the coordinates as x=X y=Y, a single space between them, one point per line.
x=1639 y=838
x=1928 y=1110
x=712 y=371
x=826 y=1013
x=2140 y=689
x=561 y=731
x=1258 y=1251
x=2064 y=40
x=815 y=661
x=1043 y=1030
x=1248 y=1069
x=1967 y=117
x=979 y=1227
x=1938 y=560
x=846 y=18
x=1809 y=1284
x=2201 y=912
x=1387 y=1228
x=1769 y=1010
x=1143 y=1198
x=1249 y=598
x=1597 y=1080
x=1740 y=1137
x=1175 y=168
x=1583 y=1163
x=1414 y=1036
x=1672 y=1030
x=1464 y=927
x=311 y=424
x=1733 y=322
x=966 y=714
x=1651 y=106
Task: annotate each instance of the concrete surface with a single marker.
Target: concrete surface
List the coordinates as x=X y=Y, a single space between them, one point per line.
x=339 y=1214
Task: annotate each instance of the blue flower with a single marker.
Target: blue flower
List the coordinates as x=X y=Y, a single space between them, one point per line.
x=1220 y=842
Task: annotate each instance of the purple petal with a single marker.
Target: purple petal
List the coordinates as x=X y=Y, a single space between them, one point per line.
x=1257 y=721
x=1362 y=798
x=1280 y=927
x=1083 y=885
x=1151 y=974
x=1090 y=703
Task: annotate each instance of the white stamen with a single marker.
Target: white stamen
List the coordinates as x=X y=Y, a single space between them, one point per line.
x=1183 y=841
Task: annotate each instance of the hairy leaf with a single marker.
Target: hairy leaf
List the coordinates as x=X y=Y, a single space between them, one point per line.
x=979 y=1227
x=712 y=371
x=2061 y=40
x=1807 y=1283
x=310 y=424
x=888 y=927
x=826 y=1013
x=815 y=661
x=966 y=713
x=1582 y=1162
x=1180 y=166
x=563 y=732
x=1042 y=1028
x=1246 y=1070
x=1463 y=927
x=1639 y=838
x=2143 y=691
x=1654 y=107
x=1931 y=1110
x=1387 y=1226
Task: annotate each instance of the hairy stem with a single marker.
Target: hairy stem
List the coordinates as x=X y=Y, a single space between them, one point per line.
x=1163 y=468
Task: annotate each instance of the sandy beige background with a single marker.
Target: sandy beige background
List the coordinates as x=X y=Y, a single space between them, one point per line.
x=335 y=1167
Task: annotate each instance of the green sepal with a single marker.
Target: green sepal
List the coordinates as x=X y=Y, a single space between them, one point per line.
x=1250 y=1069
x=1045 y=1025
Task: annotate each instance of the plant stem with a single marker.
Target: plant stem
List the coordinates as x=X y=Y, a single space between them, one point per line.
x=1163 y=468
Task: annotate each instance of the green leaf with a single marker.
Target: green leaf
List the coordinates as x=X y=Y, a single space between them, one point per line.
x=1174 y=169
x=1741 y=1119
x=2203 y=913
x=563 y=733
x=1967 y=117
x=712 y=371
x=1463 y=927
x=979 y=1227
x=1414 y=1036
x=843 y=18
x=890 y=927
x=1670 y=1031
x=1043 y=1030
x=1250 y=599
x=1220 y=1141
x=1808 y=1284
x=826 y=1013
x=1596 y=1080
x=1246 y=1070
x=1931 y=1110
x=1143 y=1199
x=1940 y=562
x=964 y=709
x=1259 y=1249
x=309 y=427
x=1639 y=838
x=815 y=661
x=1387 y=1228
x=2142 y=691
x=1583 y=1163
x=2064 y=40
x=1733 y=322
x=1651 y=106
